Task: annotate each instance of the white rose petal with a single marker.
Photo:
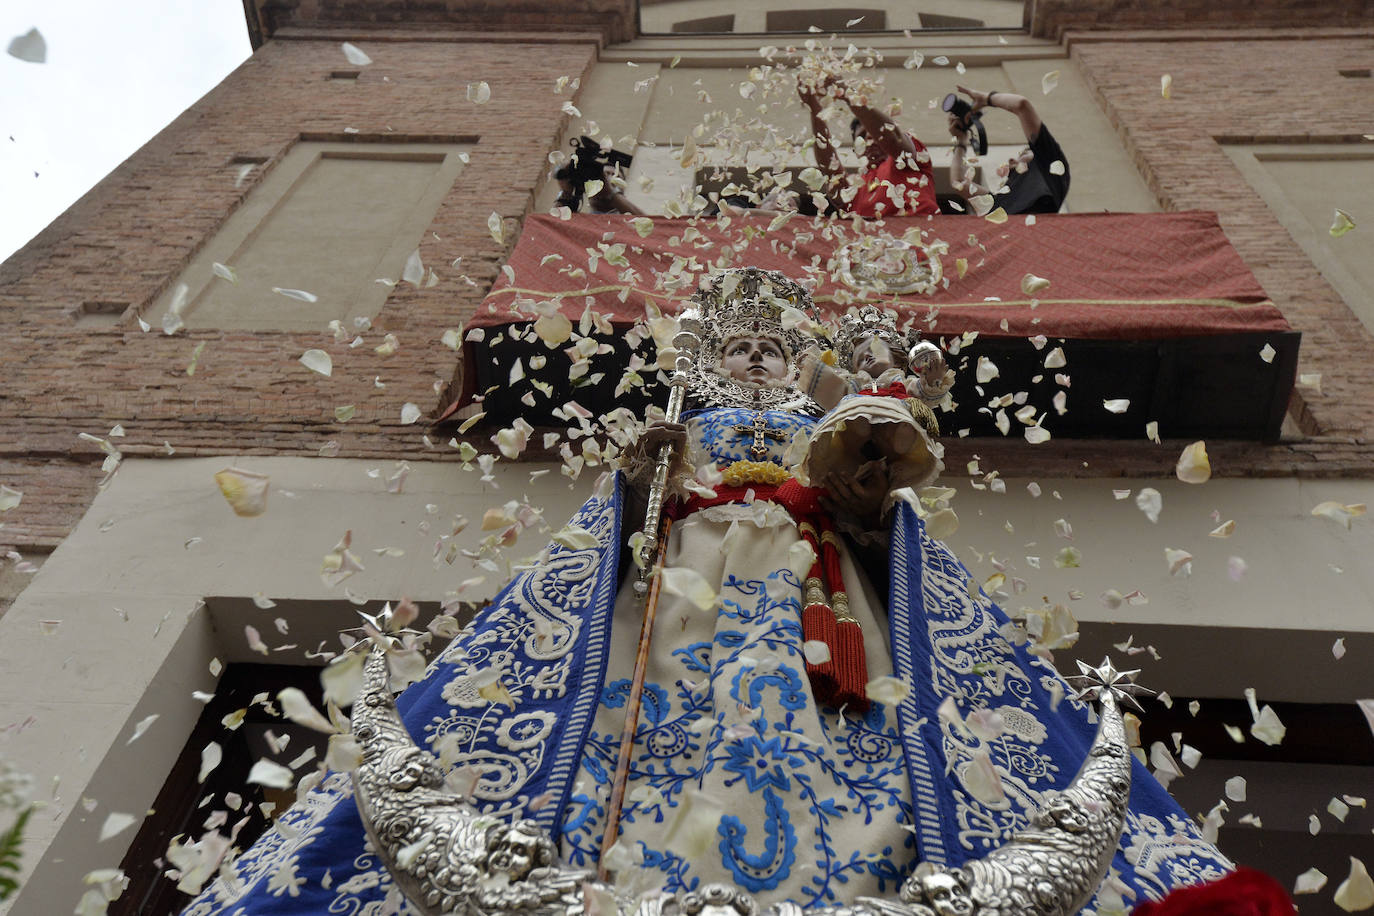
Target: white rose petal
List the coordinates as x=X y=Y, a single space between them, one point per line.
x=496 y=227
x=1356 y=892
x=355 y=55
x=1341 y=224
x=298 y=708
x=816 y=652
x=1037 y=434
x=1338 y=809
x=1056 y=359
x=245 y=491
x=1309 y=882
x=116 y=822
x=1338 y=513
x=272 y=775
x=982 y=780
x=1235 y=788
x=479 y=93
x=298 y=294
x=1166 y=86
x=689 y=584
x=1117 y=405
x=1193 y=466
x=1150 y=502
x=1338 y=649
x=210 y=757
x=1031 y=284
x=409 y=413
x=29 y=47
x=10 y=498
x=318 y=361
x=887 y=690
x=1267 y=353
x=1178 y=561
x=1267 y=727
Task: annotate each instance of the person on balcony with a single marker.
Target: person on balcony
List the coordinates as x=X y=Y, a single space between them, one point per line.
x=896 y=179
x=1036 y=179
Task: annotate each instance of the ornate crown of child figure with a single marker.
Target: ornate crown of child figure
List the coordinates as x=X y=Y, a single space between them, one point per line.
x=752 y=302
x=871 y=321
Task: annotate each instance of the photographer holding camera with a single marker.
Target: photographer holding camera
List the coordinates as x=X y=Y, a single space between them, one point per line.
x=1037 y=178
x=589 y=163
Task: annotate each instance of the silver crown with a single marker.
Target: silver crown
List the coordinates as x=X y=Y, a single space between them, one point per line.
x=752 y=302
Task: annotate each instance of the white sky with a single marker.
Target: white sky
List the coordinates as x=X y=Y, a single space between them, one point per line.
x=117 y=72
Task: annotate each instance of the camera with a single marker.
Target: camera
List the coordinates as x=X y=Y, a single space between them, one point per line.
x=972 y=121
x=587 y=163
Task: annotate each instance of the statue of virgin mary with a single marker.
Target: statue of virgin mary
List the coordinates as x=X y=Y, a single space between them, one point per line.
x=808 y=735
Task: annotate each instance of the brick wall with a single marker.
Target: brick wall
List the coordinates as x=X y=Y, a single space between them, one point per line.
x=1251 y=90
x=615 y=20
x=1052 y=18
x=127 y=240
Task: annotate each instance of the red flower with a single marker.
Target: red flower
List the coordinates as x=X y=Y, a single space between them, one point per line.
x=1244 y=892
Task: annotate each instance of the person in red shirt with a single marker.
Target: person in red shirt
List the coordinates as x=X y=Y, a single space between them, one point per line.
x=897 y=179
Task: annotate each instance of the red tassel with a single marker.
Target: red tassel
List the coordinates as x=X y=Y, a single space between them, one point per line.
x=818 y=624
x=851 y=667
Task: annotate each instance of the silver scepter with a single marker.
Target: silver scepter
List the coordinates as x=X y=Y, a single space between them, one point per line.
x=650 y=560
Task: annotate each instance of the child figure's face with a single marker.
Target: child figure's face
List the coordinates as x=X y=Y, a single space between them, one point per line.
x=872 y=355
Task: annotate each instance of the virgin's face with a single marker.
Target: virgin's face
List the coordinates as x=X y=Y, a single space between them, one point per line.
x=754 y=359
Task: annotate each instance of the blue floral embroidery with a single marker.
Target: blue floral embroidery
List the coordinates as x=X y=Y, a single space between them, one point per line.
x=771 y=867
x=761 y=763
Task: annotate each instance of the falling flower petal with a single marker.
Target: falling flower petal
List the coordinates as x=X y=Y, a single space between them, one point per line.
x=1166 y=86
x=982 y=781
x=142 y=727
x=816 y=652
x=479 y=93
x=690 y=584
x=272 y=775
x=1055 y=359
x=1356 y=892
x=1341 y=224
x=116 y=823
x=1037 y=434
x=355 y=55
x=1338 y=513
x=1224 y=530
x=1178 y=561
x=29 y=47
x=409 y=413
x=296 y=707
x=318 y=361
x=1193 y=466
x=210 y=757
x=1031 y=284
x=887 y=690
x=1309 y=882
x=1150 y=502
x=1235 y=568
x=496 y=227
x=224 y=272
x=1338 y=649
x=1267 y=727
x=299 y=294
x=1049 y=81
x=9 y=498
x=245 y=491
x=1267 y=353
x=987 y=370
x=1117 y=405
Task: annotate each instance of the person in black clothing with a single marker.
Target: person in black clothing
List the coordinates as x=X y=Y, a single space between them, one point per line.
x=1037 y=178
